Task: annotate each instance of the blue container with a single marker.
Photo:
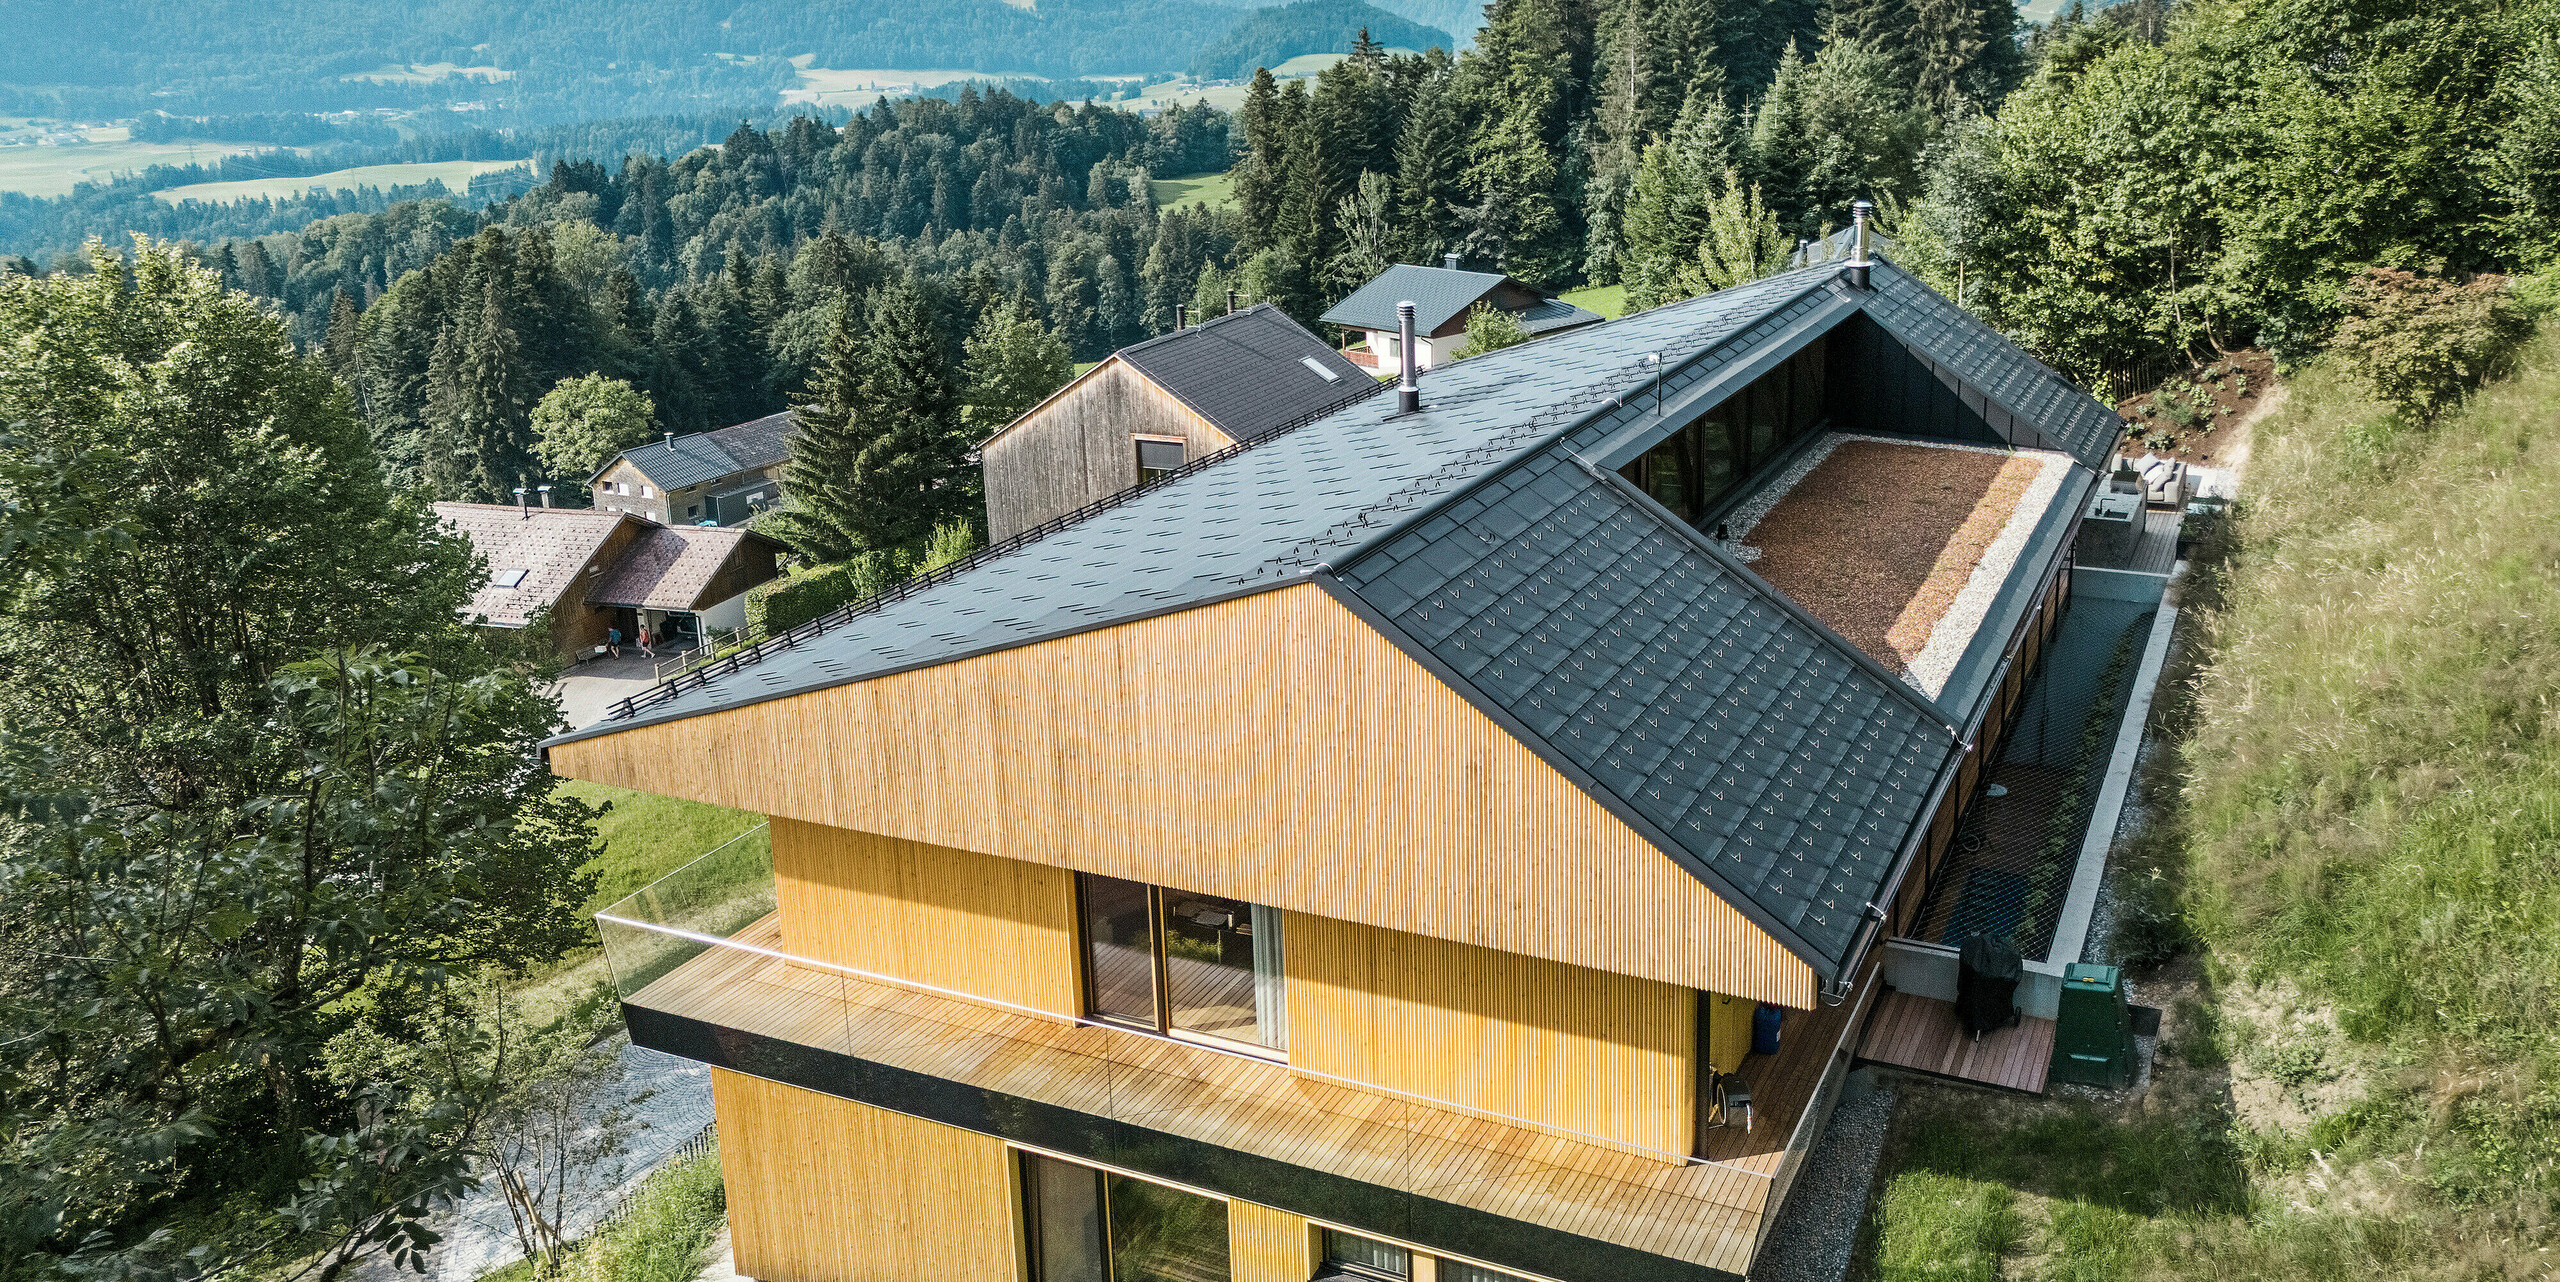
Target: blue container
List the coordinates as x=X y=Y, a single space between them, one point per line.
x=1764 y=1029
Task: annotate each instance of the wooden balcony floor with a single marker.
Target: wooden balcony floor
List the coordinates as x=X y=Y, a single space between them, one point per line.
x=1709 y=1215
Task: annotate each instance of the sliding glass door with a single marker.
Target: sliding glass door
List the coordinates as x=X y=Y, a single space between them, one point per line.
x=1101 y=1226
x=1184 y=962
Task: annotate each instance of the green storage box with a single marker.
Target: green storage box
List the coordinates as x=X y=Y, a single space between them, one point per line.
x=2093 y=1031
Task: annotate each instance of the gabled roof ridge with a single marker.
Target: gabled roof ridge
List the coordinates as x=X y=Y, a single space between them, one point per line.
x=1735 y=332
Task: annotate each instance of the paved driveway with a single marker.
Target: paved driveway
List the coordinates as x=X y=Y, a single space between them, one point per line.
x=591 y=687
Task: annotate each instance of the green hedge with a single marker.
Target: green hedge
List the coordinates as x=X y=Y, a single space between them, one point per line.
x=786 y=603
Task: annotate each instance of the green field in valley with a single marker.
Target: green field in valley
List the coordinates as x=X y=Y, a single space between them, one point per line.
x=108 y=151
x=454 y=174
x=1217 y=191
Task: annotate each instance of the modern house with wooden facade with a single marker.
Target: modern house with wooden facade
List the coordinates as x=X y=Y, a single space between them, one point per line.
x=1450 y=844
x=1153 y=406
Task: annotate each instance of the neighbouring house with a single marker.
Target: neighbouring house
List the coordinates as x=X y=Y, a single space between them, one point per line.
x=1441 y=298
x=579 y=572
x=707 y=478
x=1463 y=843
x=1153 y=406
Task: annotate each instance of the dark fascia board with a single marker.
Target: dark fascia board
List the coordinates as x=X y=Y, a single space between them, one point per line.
x=602 y=728
x=1824 y=968
x=1695 y=402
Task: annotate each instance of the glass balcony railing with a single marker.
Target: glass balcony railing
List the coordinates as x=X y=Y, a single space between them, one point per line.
x=705 y=945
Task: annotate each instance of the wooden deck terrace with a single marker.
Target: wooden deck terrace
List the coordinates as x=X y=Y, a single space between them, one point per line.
x=1709 y=1214
x=1925 y=1035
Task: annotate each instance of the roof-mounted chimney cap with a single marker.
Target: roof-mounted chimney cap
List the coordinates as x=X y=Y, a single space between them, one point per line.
x=1860 y=212
x=1231 y=300
x=1408 y=393
x=1181 y=316
x=545 y=492
x=671 y=441
x=523 y=512
x=1450 y=260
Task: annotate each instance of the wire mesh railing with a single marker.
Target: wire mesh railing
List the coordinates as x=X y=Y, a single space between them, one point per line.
x=2018 y=845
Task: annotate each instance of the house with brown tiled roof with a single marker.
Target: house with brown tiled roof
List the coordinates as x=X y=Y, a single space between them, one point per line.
x=582 y=572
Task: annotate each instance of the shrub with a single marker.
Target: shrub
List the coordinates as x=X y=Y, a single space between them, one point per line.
x=2421 y=343
x=1490 y=329
x=784 y=604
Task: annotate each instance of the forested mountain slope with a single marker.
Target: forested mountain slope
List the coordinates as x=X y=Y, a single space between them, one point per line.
x=298 y=55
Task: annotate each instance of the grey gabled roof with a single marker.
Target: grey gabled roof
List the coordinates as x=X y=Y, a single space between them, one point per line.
x=704 y=456
x=1248 y=372
x=1980 y=362
x=1438 y=295
x=1762 y=753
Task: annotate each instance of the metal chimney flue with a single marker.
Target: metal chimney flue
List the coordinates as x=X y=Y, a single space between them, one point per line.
x=1181 y=316
x=1450 y=260
x=1408 y=393
x=1859 y=213
x=523 y=512
x=1231 y=301
x=545 y=492
x=671 y=442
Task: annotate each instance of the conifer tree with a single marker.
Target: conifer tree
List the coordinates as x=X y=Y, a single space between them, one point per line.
x=825 y=442
x=1430 y=156
x=912 y=472
x=1257 y=170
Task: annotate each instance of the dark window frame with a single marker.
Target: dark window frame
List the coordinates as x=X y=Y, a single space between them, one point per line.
x=1161 y=980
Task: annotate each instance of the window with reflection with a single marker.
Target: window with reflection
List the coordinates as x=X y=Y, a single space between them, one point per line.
x=1179 y=961
x=1349 y=1256
x=1087 y=1225
x=1693 y=470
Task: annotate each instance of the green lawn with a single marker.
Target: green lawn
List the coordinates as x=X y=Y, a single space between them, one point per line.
x=454 y=174
x=2347 y=899
x=648 y=836
x=1608 y=300
x=1217 y=191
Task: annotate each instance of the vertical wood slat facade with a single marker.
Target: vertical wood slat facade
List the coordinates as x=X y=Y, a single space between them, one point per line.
x=1079 y=446
x=1587 y=1050
x=951 y=919
x=1266 y=1245
x=1271 y=748
x=823 y=1189
x=1604 y=1054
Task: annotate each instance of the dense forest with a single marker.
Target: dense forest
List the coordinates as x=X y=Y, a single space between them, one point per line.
x=2068 y=184
x=562 y=61
x=1270 y=37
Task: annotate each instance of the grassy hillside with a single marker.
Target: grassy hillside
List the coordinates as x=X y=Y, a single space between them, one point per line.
x=1271 y=37
x=2356 y=879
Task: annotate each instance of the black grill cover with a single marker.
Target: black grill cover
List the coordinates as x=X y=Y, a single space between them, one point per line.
x=1987 y=973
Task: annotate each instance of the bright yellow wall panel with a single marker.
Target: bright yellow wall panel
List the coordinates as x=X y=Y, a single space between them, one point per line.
x=1265 y=1245
x=1271 y=748
x=823 y=1189
x=953 y=919
x=1594 y=1052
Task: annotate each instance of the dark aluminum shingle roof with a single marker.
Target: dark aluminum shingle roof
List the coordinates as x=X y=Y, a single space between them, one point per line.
x=1958 y=342
x=706 y=456
x=1248 y=372
x=1755 y=748
x=1440 y=295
